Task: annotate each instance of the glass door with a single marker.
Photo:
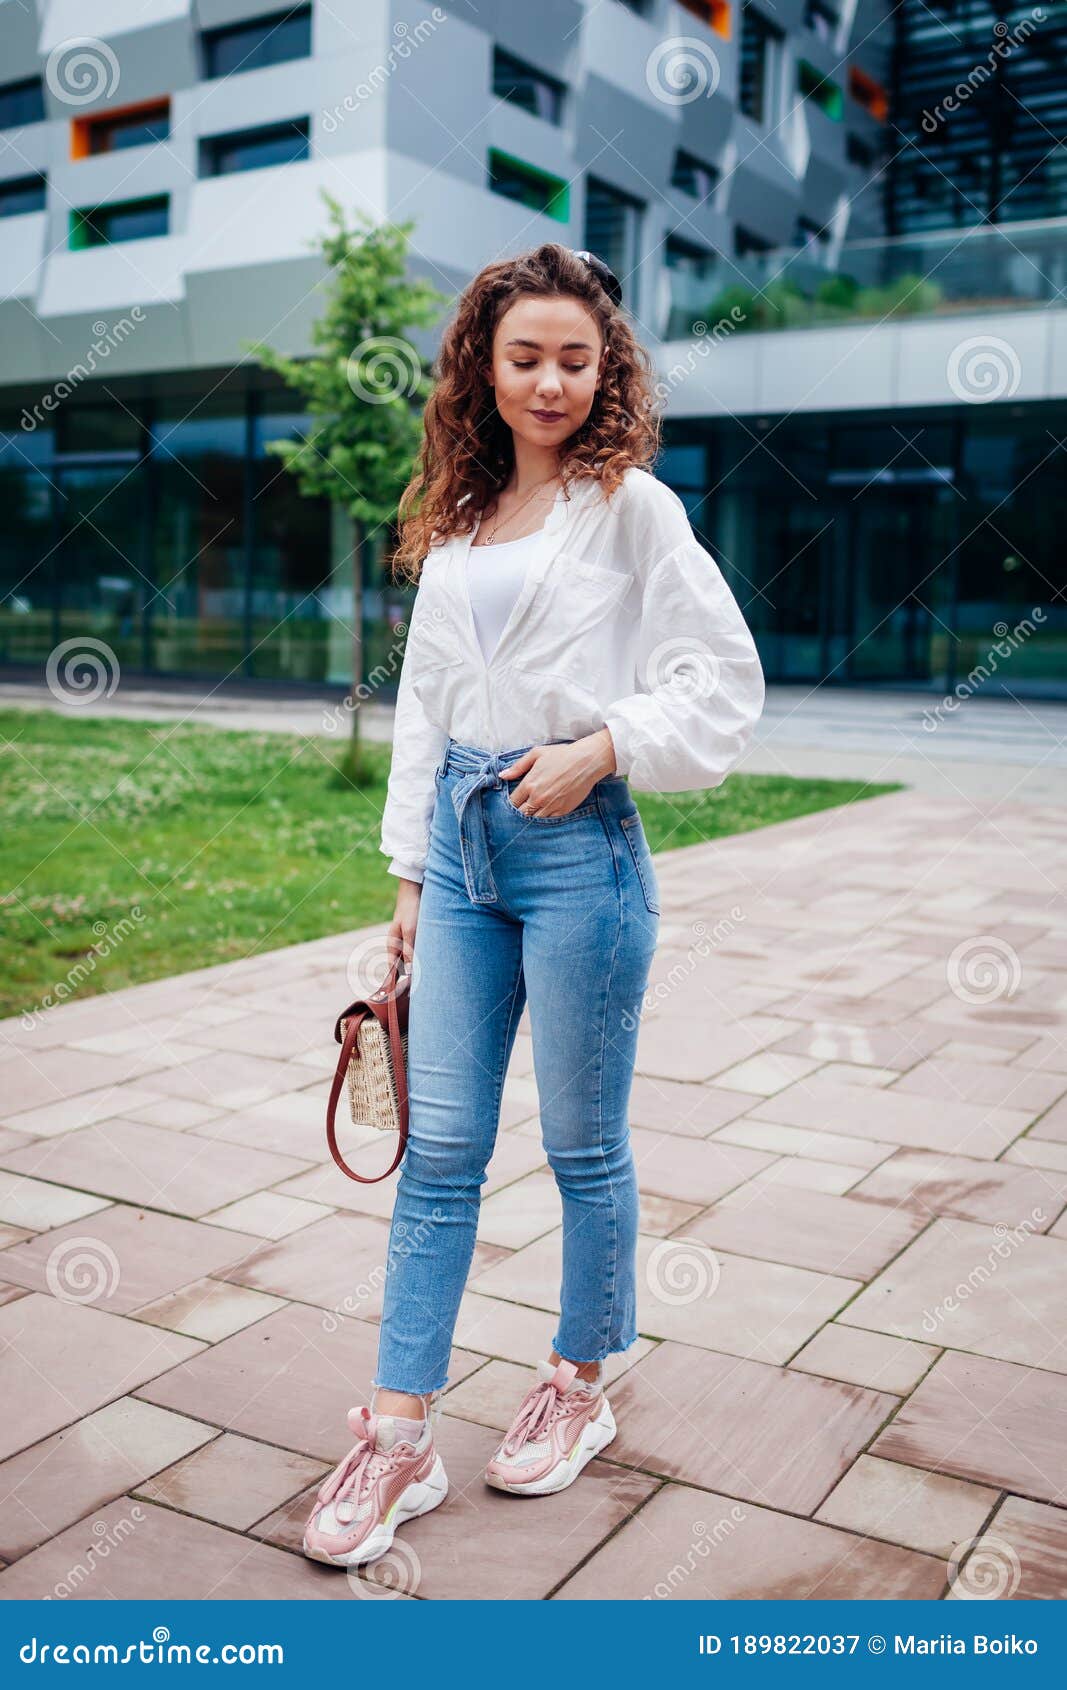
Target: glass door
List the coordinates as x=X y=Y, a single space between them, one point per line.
x=898 y=563
x=100 y=560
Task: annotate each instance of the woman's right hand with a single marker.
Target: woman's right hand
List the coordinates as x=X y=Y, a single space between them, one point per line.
x=400 y=939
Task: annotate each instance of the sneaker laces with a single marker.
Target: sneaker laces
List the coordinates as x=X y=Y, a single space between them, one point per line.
x=540 y=1408
x=360 y=1469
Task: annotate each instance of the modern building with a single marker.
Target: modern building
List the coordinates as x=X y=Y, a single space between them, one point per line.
x=841 y=226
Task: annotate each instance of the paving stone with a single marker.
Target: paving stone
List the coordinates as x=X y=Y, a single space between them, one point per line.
x=64 y=1360
x=866 y=1358
x=208 y=1309
x=932 y=1183
x=34 y=1205
x=233 y=1481
x=179 y=1172
x=686 y=1290
x=969 y=1082
x=971 y=1287
x=693 y=1172
x=892 y=1117
x=122 y=1257
x=803 y=1141
x=990 y=1421
x=833 y=1177
x=689 y=1545
x=1021 y=1556
x=133 y=1550
x=289 y=1380
x=519 y=1334
x=807 y=1229
x=760 y=1433
x=670 y=1106
x=908 y=1506
x=55 y=1482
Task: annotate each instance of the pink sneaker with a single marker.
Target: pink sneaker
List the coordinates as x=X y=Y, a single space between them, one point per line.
x=561 y=1424
x=382 y=1481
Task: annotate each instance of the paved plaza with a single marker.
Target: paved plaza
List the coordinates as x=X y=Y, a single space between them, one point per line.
x=850 y=1123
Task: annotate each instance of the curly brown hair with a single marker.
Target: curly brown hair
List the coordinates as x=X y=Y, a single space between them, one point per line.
x=466 y=445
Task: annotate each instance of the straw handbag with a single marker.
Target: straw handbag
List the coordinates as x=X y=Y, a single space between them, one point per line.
x=373 y=1035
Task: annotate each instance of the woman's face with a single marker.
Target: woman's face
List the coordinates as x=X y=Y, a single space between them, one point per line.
x=546 y=364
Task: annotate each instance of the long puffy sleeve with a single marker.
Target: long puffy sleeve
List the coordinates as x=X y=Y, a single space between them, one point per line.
x=700 y=686
x=418 y=746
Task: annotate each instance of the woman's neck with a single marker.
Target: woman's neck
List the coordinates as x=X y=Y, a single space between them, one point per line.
x=534 y=465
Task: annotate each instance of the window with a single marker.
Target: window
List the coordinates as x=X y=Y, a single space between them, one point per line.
x=715 y=13
x=868 y=93
x=111 y=132
x=22 y=194
x=255 y=149
x=270 y=40
x=690 y=175
x=748 y=245
x=612 y=230
x=540 y=95
x=21 y=102
x=821 y=17
x=820 y=90
x=687 y=257
x=517 y=180
x=125 y=220
x=859 y=151
x=809 y=233
x=760 y=70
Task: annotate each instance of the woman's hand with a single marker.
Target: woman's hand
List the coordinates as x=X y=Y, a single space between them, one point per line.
x=553 y=779
x=400 y=938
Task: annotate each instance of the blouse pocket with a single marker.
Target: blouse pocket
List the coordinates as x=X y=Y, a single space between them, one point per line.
x=634 y=834
x=563 y=634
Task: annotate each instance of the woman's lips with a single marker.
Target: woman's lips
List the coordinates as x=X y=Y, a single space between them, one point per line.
x=549 y=416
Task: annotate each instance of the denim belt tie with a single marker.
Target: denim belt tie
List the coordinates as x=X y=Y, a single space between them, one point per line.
x=473 y=842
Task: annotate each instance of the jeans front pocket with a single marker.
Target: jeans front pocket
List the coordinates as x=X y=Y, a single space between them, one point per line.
x=586 y=808
x=634 y=835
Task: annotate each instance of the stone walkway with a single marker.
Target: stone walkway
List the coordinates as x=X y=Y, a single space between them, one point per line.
x=850 y=1120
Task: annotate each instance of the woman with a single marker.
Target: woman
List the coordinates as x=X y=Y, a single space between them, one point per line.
x=569 y=635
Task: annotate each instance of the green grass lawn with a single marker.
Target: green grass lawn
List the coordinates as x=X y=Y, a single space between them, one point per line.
x=134 y=850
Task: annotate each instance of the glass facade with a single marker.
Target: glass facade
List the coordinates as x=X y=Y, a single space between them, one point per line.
x=158 y=523
x=864 y=549
x=890 y=550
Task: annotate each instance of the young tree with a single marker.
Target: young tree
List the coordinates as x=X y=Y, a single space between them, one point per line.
x=364 y=388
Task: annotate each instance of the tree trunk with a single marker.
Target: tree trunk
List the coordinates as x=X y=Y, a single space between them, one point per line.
x=357 y=628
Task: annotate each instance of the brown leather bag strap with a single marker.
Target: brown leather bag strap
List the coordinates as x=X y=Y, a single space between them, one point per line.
x=347 y=1047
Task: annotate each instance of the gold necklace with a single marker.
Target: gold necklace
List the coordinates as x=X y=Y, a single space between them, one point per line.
x=498 y=526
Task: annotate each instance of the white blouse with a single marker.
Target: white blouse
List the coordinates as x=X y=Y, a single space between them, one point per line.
x=623 y=621
x=495 y=575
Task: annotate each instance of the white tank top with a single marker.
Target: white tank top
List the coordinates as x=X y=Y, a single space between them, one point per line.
x=495 y=575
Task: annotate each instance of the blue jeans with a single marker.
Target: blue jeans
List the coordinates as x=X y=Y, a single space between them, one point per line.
x=562 y=912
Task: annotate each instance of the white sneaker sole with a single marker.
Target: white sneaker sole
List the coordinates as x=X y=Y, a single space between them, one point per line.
x=418 y=1499
x=596 y=1436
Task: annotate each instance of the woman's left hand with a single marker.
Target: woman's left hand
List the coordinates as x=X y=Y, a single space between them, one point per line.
x=553 y=779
